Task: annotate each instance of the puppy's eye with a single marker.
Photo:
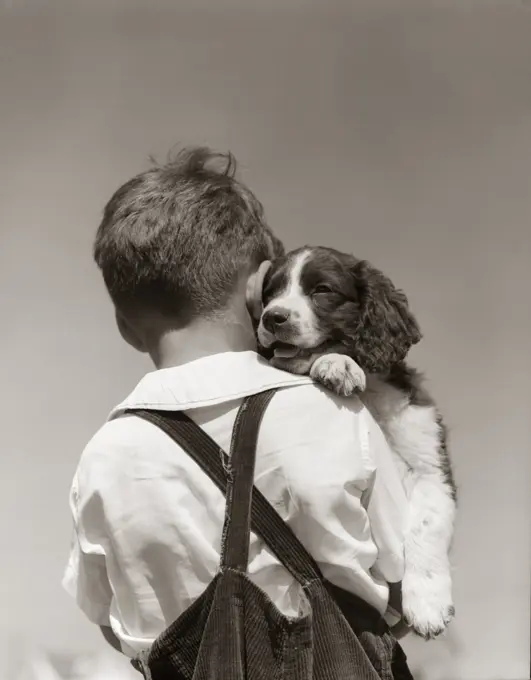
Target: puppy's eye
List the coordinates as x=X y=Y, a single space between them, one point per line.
x=321 y=288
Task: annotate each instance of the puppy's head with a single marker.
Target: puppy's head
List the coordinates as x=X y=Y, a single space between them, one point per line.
x=319 y=297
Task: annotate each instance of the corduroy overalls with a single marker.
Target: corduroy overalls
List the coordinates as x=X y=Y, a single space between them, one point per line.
x=233 y=631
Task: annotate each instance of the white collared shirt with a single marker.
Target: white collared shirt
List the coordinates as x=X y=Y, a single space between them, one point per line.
x=148 y=520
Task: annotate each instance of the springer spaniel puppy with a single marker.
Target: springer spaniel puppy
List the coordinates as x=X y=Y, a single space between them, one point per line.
x=326 y=313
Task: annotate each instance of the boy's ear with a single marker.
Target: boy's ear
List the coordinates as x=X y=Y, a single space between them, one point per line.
x=128 y=333
x=253 y=293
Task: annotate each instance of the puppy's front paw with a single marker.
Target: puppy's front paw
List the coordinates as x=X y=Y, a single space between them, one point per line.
x=427 y=602
x=339 y=373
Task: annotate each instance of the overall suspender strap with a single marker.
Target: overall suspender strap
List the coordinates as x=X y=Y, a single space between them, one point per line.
x=240 y=482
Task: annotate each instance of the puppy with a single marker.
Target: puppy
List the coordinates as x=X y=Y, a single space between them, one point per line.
x=340 y=320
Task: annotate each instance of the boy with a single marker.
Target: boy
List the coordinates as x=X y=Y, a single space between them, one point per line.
x=176 y=247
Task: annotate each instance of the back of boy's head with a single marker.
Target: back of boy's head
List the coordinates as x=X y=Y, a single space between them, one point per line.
x=176 y=240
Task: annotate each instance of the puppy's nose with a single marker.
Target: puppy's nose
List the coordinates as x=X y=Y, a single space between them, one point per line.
x=274 y=318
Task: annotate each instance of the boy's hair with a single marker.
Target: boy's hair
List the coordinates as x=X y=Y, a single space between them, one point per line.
x=176 y=239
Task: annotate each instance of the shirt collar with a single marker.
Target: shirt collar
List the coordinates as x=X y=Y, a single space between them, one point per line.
x=207 y=381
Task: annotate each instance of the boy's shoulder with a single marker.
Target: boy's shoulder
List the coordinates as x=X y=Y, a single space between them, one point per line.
x=123 y=450
x=300 y=406
x=124 y=432
x=313 y=398
x=117 y=439
x=122 y=429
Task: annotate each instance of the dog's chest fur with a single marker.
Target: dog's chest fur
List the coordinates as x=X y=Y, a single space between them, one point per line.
x=412 y=430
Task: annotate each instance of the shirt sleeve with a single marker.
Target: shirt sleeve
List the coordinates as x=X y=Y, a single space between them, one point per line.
x=386 y=504
x=85 y=578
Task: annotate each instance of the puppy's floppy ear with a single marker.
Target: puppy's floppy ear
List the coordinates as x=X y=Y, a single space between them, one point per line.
x=253 y=294
x=387 y=329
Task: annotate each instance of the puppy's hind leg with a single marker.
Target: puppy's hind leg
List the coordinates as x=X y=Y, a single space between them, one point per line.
x=427 y=584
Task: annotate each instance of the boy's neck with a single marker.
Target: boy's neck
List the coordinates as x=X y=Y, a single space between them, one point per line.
x=203 y=338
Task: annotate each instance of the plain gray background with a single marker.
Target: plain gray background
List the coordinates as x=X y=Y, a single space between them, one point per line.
x=399 y=131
